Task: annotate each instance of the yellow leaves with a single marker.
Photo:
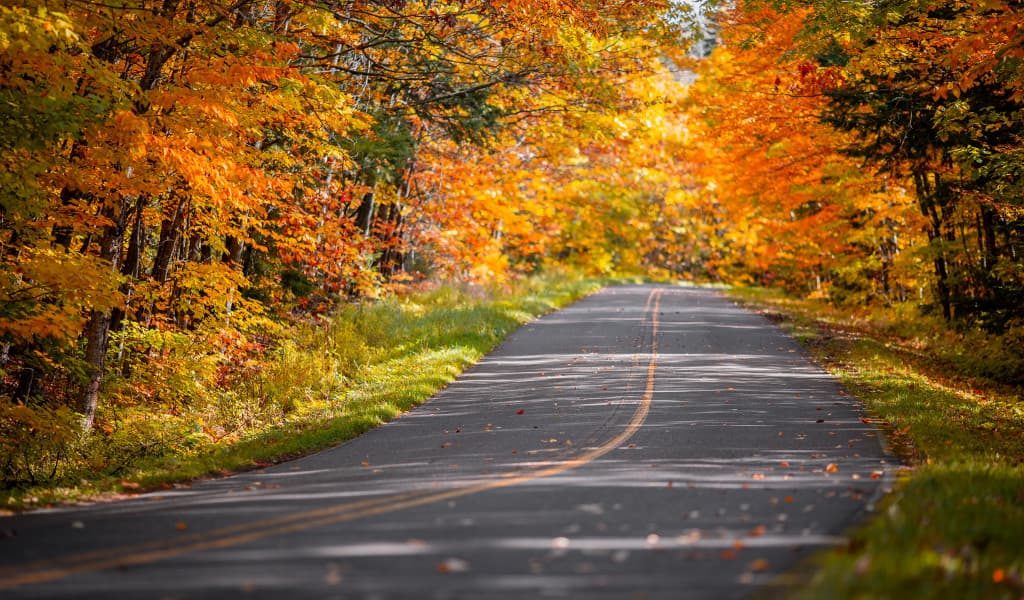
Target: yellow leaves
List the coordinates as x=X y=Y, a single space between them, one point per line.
x=46 y=292
x=25 y=31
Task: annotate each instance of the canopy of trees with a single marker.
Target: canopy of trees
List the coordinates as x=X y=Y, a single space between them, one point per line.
x=179 y=180
x=188 y=174
x=867 y=152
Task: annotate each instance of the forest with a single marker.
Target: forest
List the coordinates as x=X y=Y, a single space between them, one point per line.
x=217 y=216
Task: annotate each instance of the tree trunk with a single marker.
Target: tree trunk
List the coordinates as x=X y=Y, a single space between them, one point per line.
x=364 y=214
x=988 y=229
x=170 y=233
x=97 y=332
x=26 y=379
x=234 y=248
x=97 y=337
x=927 y=203
x=132 y=262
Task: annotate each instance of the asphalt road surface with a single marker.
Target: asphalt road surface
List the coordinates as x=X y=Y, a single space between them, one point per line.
x=646 y=442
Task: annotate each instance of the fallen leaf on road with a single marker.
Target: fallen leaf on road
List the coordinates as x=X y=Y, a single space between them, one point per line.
x=520 y=411
x=832 y=468
x=333 y=575
x=181 y=526
x=452 y=565
x=759 y=565
x=757 y=531
x=876 y=474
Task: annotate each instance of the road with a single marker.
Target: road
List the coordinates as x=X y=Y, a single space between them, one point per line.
x=646 y=442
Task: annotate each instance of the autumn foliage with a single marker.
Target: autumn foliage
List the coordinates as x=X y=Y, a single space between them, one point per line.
x=183 y=182
x=867 y=154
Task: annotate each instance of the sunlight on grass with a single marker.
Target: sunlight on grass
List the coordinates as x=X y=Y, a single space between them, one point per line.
x=329 y=383
x=953 y=526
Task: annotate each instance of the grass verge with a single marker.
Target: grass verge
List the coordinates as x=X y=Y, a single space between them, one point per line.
x=954 y=525
x=324 y=385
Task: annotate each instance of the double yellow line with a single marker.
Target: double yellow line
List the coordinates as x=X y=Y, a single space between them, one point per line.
x=123 y=556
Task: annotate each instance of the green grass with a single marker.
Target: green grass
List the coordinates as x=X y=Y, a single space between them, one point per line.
x=954 y=525
x=324 y=385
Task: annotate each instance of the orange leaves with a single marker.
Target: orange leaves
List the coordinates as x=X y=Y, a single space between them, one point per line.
x=235 y=172
x=786 y=205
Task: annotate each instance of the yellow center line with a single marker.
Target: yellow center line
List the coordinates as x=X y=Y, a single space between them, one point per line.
x=247 y=532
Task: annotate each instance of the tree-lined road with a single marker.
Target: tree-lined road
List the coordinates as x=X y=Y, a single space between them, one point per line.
x=646 y=442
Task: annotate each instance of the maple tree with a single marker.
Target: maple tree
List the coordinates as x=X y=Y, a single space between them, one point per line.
x=845 y=120
x=182 y=181
x=787 y=205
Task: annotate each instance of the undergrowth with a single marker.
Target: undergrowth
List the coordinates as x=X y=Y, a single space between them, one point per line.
x=317 y=385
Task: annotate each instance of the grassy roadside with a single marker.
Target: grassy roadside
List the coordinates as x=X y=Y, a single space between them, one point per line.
x=327 y=384
x=954 y=525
